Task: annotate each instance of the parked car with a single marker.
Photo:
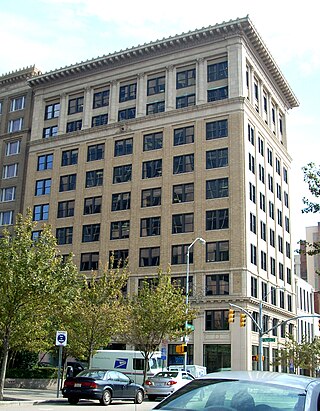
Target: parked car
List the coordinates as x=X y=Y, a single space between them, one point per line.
x=102 y=385
x=246 y=391
x=166 y=382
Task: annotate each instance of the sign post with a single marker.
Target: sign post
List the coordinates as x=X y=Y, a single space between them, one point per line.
x=61 y=341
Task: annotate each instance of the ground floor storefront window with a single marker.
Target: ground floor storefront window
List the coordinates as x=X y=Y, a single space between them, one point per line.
x=217 y=357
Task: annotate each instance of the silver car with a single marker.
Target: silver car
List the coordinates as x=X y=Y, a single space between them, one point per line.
x=165 y=383
x=246 y=391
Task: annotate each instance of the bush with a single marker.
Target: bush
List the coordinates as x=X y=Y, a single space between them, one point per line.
x=35 y=373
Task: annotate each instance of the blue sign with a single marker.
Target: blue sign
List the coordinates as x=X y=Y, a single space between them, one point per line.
x=121 y=363
x=163 y=353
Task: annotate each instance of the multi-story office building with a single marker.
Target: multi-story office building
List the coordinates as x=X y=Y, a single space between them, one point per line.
x=142 y=151
x=15 y=125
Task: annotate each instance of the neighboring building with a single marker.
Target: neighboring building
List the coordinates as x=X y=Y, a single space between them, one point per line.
x=142 y=151
x=307 y=327
x=15 y=126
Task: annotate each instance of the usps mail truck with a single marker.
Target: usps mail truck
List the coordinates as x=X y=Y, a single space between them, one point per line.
x=129 y=362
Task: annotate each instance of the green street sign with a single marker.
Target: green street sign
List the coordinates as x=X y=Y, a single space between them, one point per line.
x=269 y=339
x=190 y=327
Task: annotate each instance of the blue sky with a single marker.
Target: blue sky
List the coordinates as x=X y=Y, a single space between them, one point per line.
x=56 y=33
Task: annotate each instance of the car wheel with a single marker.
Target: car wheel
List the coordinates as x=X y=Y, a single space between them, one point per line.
x=152 y=397
x=73 y=401
x=106 y=398
x=139 y=397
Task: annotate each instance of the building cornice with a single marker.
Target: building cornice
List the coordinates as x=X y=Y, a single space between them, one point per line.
x=23 y=74
x=241 y=27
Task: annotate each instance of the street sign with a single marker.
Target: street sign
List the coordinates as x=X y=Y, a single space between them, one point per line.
x=269 y=339
x=61 y=338
x=163 y=353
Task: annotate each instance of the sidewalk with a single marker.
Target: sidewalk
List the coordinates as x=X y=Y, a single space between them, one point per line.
x=21 y=396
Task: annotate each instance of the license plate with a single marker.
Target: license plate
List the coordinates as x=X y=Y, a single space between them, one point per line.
x=77 y=385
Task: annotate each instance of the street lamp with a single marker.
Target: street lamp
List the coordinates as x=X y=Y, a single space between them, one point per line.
x=202 y=241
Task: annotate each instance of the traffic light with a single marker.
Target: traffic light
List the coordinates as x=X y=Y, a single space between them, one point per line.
x=243 y=319
x=231 y=316
x=256 y=358
x=181 y=349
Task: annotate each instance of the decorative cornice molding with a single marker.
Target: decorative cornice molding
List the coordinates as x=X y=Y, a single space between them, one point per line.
x=23 y=74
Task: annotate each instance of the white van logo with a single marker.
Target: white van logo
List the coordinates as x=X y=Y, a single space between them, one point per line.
x=121 y=363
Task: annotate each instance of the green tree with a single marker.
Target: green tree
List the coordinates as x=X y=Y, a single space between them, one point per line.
x=98 y=313
x=156 y=312
x=312 y=178
x=34 y=281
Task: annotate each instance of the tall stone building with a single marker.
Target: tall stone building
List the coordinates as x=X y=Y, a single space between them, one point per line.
x=140 y=152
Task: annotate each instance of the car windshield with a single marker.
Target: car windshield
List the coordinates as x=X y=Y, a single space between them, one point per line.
x=155 y=362
x=96 y=374
x=239 y=395
x=166 y=374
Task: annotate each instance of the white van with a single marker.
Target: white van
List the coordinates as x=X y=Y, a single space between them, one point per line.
x=129 y=362
x=195 y=370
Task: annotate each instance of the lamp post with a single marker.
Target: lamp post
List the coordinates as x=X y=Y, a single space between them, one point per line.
x=202 y=241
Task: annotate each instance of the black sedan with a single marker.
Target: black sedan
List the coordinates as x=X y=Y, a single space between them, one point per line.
x=102 y=385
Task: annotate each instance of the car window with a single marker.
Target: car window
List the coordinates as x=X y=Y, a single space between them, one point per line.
x=167 y=374
x=123 y=378
x=113 y=375
x=240 y=396
x=96 y=374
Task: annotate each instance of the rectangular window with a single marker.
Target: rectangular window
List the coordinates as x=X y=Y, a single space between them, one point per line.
x=216 y=94
x=271 y=210
x=254 y=287
x=183 y=164
x=127 y=92
x=288 y=275
x=278 y=167
x=217 y=71
x=156 y=107
x=13 y=147
x=17 y=103
x=186 y=78
x=50 y=132
x=181 y=283
x=95 y=152
x=100 y=120
x=74 y=126
x=150 y=226
x=251 y=134
x=253 y=223
x=263 y=231
x=182 y=223
x=119 y=229
x=10 y=171
x=94 y=178
x=289 y=302
x=118 y=258
x=41 y=212
x=279 y=215
x=281 y=272
x=126 y=114
x=272 y=238
x=66 y=209
x=217 y=219
x=123 y=147
x=151 y=197
x=184 y=135
x=217 y=251
x=186 y=101
x=90 y=233
x=120 y=201
x=217 y=284
x=182 y=193
x=285 y=175
x=64 y=235
x=287 y=224
x=273 y=295
x=216 y=320
x=75 y=105
x=264 y=291
x=122 y=174
x=261 y=173
x=15 y=125
x=149 y=257
x=101 y=99
x=152 y=141
x=92 y=205
x=179 y=254
x=152 y=169
x=252 y=163
x=216 y=129
x=217 y=188
x=156 y=85
x=7 y=194
x=216 y=158
x=52 y=111
x=262 y=202
x=286 y=199
x=89 y=261
x=288 y=250
x=6 y=218
x=270 y=183
x=45 y=162
x=69 y=157
x=253 y=254
x=261 y=146
x=68 y=183
x=43 y=187
x=280 y=244
x=263 y=262
x=252 y=192
x=270 y=156
x=272 y=266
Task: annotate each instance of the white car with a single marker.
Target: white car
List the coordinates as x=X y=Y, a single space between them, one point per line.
x=165 y=383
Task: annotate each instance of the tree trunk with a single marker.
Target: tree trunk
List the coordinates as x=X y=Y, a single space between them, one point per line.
x=146 y=365
x=5 y=354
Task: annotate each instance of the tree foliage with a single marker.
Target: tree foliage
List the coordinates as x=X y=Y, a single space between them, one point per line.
x=34 y=281
x=98 y=313
x=157 y=312
x=304 y=355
